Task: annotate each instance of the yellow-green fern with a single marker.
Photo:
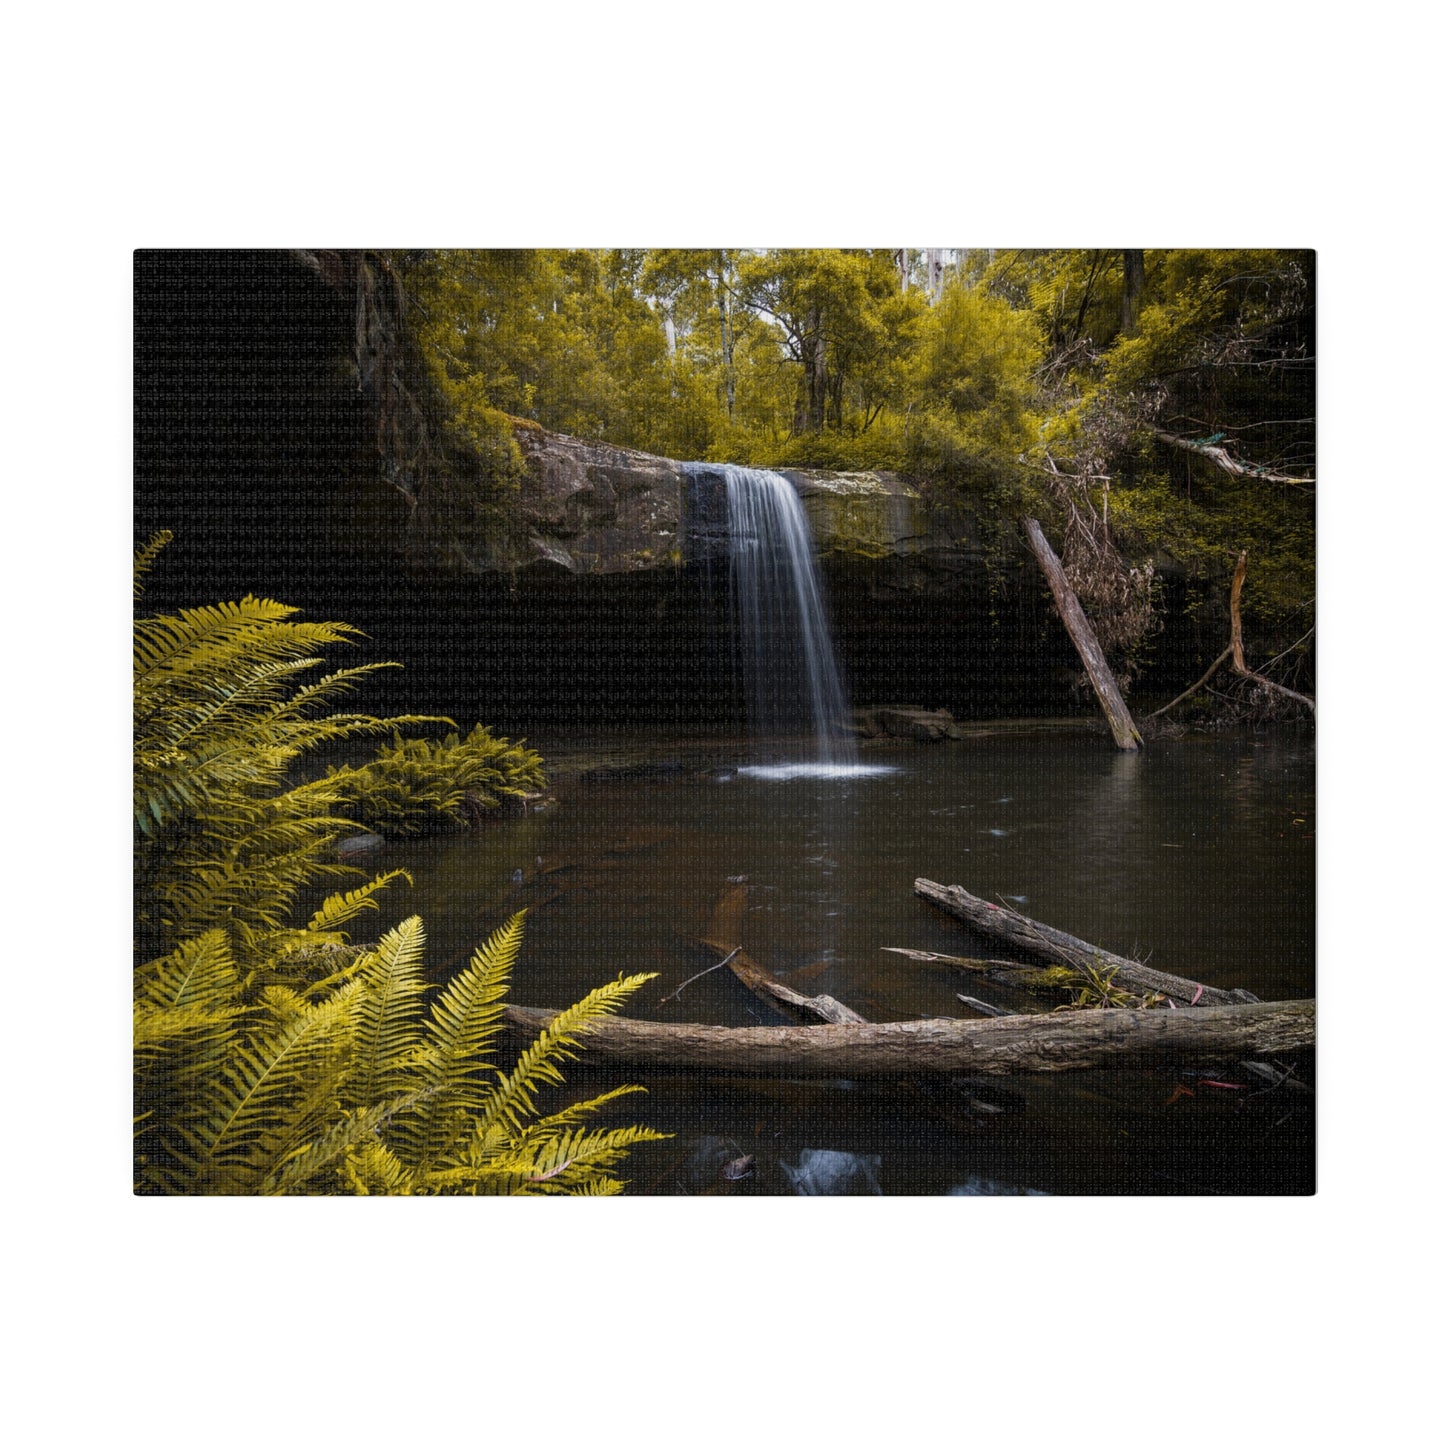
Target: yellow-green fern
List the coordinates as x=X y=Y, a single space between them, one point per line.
x=273 y=1056
x=370 y=1090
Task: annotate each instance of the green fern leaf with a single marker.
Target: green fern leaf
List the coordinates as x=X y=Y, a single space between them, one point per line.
x=343 y=907
x=388 y=1005
x=514 y=1098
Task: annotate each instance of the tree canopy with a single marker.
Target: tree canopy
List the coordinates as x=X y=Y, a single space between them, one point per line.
x=1156 y=405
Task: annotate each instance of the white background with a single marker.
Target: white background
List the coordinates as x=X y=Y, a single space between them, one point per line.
x=758 y=124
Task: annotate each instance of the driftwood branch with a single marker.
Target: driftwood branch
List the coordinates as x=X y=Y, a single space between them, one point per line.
x=1007 y=971
x=723 y=934
x=1086 y=643
x=1053 y=944
x=805 y=1008
x=1018 y=1044
x=1190 y=691
x=1227 y=463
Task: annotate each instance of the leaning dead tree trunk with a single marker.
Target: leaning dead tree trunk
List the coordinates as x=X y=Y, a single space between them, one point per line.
x=1059 y=947
x=1018 y=1044
x=1081 y=633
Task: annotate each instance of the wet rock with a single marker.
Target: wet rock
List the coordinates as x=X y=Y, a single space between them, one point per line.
x=832 y=1171
x=591 y=509
x=976 y=1184
x=358 y=845
x=518 y=805
x=917 y=724
x=716 y=1165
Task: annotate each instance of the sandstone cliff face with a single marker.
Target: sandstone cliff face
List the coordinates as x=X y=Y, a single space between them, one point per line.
x=593 y=509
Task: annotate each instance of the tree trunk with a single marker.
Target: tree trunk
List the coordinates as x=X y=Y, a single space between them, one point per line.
x=817 y=372
x=1059 y=947
x=1081 y=633
x=1236 y=641
x=727 y=332
x=1019 y=1044
x=1133 y=291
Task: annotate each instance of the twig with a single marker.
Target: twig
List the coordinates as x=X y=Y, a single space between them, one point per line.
x=1288 y=650
x=1188 y=691
x=992 y=1010
x=697 y=976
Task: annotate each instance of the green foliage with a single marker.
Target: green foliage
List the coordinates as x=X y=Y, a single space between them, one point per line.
x=1093 y=986
x=416 y=785
x=378 y=1086
x=223 y=712
x=1031 y=383
x=275 y=1057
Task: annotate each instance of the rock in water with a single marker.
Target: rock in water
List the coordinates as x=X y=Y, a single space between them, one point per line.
x=833 y=1171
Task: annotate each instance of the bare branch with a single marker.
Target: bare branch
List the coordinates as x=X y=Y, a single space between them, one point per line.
x=1227 y=463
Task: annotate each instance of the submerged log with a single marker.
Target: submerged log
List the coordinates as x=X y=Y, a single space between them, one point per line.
x=1059 y=947
x=723 y=934
x=806 y=1008
x=999 y=970
x=1081 y=634
x=991 y=1009
x=1018 y=1044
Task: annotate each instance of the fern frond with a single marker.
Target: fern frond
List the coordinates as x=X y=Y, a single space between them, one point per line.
x=200 y=973
x=302 y=1166
x=156 y=1030
x=574 y=1161
x=514 y=1098
x=343 y=907
x=253 y=1095
x=143 y=561
x=326 y=687
x=459 y=1032
x=389 y=987
x=565 y=1119
x=374 y=1169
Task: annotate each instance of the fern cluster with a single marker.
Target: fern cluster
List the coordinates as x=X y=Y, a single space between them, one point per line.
x=358 y=1084
x=416 y=784
x=225 y=705
x=274 y=1057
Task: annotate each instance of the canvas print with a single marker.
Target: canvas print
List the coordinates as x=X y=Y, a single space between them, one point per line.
x=728 y=722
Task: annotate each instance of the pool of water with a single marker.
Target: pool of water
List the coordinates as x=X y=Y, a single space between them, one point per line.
x=1197 y=854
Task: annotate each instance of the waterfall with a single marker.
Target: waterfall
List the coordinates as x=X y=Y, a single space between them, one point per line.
x=784 y=647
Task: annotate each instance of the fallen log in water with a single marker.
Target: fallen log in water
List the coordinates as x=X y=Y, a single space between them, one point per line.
x=1059 y=947
x=805 y=1008
x=1018 y=1044
x=723 y=933
x=1007 y=971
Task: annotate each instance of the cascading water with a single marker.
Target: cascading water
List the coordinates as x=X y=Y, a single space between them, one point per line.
x=784 y=646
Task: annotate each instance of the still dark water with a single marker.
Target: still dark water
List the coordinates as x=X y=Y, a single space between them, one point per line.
x=1198 y=854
